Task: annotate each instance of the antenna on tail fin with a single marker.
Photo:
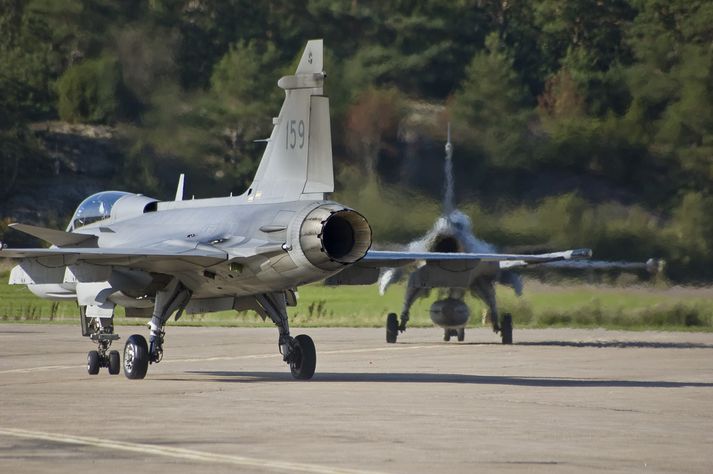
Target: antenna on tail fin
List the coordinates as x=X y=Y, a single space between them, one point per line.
x=297 y=163
x=179 y=188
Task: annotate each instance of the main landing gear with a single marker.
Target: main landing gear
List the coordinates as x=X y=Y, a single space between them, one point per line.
x=393 y=327
x=506 y=329
x=485 y=290
x=101 y=331
x=137 y=353
x=413 y=292
x=298 y=352
x=136 y=357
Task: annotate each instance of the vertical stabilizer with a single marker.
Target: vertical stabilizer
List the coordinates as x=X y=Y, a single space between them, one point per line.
x=448 y=192
x=297 y=163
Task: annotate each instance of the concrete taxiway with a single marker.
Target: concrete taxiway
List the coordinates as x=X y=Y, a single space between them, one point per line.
x=222 y=401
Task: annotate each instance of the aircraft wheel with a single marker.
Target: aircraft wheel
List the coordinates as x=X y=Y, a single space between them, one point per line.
x=304 y=358
x=461 y=334
x=136 y=357
x=93 y=362
x=392 y=328
x=506 y=330
x=447 y=335
x=114 y=363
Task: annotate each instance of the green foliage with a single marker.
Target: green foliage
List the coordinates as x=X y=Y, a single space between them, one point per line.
x=241 y=78
x=360 y=306
x=395 y=214
x=690 y=234
x=613 y=101
x=146 y=55
x=25 y=76
x=22 y=79
x=493 y=104
x=372 y=124
x=93 y=91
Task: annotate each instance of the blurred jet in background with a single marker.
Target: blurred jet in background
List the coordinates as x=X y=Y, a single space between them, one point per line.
x=453 y=233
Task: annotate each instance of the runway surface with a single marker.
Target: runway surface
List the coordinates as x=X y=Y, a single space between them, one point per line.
x=223 y=401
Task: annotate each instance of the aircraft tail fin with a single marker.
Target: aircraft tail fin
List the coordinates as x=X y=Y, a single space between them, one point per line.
x=297 y=163
x=448 y=192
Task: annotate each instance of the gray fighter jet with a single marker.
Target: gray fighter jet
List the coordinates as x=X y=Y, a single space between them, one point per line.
x=240 y=252
x=453 y=232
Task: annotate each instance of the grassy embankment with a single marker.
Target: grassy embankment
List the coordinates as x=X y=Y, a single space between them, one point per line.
x=540 y=306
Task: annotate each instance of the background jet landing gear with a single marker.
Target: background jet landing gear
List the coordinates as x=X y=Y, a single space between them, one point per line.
x=103 y=336
x=392 y=328
x=506 y=329
x=459 y=333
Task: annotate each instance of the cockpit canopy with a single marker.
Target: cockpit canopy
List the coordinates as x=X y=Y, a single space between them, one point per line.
x=95 y=208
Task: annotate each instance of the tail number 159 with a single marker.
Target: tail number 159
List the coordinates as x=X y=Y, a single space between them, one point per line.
x=295 y=136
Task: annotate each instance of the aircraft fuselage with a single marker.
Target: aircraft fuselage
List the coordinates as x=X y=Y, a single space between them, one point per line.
x=263 y=246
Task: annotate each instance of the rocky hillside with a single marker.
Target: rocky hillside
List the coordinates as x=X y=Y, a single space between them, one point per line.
x=77 y=160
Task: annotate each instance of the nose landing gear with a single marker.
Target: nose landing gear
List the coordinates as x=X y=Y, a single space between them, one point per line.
x=100 y=331
x=459 y=333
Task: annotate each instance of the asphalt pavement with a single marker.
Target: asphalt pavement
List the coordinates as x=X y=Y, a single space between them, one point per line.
x=222 y=400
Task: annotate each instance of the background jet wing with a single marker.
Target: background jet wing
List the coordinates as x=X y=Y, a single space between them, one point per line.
x=652 y=265
x=376 y=258
x=366 y=271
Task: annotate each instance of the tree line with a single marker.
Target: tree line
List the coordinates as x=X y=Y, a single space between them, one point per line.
x=599 y=113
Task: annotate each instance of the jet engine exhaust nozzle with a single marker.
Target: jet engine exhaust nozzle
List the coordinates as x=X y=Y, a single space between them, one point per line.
x=332 y=236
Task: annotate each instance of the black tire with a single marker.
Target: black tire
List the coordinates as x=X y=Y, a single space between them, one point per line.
x=93 y=362
x=447 y=335
x=392 y=328
x=506 y=329
x=461 y=334
x=136 y=357
x=114 y=363
x=305 y=358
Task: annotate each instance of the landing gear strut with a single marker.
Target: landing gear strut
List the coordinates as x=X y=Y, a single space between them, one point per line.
x=485 y=290
x=101 y=331
x=298 y=352
x=137 y=354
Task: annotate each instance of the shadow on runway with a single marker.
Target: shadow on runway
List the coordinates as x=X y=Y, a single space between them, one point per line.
x=620 y=344
x=239 y=376
x=596 y=344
